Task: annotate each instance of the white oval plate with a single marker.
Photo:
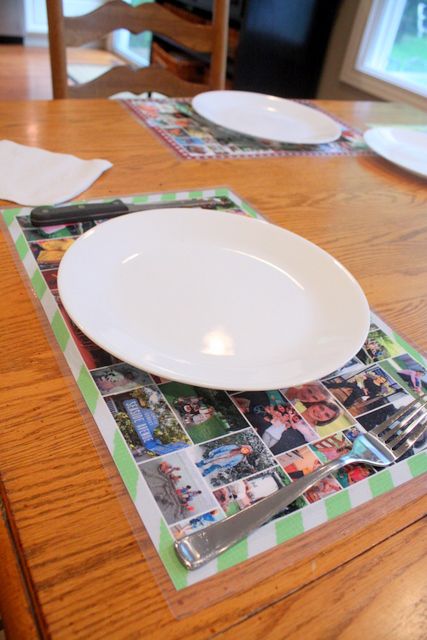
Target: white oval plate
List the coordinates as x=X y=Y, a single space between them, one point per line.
x=406 y=148
x=268 y=117
x=213 y=299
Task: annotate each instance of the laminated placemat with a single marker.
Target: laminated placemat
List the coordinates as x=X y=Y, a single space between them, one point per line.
x=193 y=137
x=191 y=456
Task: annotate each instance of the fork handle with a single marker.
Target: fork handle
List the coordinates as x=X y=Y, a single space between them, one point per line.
x=198 y=548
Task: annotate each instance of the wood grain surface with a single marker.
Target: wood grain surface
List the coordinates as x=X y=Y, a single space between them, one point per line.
x=74 y=532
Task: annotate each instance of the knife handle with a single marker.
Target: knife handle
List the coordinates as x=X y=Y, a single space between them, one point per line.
x=48 y=216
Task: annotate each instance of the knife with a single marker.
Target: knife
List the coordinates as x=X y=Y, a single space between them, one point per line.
x=49 y=216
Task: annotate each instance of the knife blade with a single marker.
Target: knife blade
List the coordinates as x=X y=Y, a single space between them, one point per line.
x=47 y=216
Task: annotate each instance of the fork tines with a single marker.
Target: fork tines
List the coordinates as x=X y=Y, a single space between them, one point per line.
x=401 y=431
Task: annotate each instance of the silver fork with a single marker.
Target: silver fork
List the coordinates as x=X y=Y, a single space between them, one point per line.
x=381 y=446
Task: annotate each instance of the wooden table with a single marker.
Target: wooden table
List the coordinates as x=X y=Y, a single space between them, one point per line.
x=70 y=563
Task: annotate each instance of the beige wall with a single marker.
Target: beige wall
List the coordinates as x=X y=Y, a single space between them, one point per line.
x=330 y=86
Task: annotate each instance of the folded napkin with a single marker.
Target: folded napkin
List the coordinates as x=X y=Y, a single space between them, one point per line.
x=31 y=176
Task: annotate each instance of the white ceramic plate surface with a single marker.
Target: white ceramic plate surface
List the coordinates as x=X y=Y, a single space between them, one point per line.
x=213 y=299
x=268 y=117
x=406 y=148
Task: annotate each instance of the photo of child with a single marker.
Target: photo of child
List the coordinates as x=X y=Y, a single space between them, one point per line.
x=335 y=446
x=322 y=489
x=331 y=447
x=410 y=373
x=196 y=523
x=244 y=493
x=275 y=419
x=204 y=413
x=176 y=487
x=318 y=408
x=299 y=463
x=352 y=473
x=352 y=433
x=119 y=378
x=378 y=346
x=231 y=458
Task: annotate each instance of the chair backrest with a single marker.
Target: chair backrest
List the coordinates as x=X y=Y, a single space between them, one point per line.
x=210 y=38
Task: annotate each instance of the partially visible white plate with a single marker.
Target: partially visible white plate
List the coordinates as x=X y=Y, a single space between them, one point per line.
x=268 y=117
x=213 y=299
x=405 y=147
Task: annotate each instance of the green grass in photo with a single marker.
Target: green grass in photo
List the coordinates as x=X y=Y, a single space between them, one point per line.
x=212 y=428
x=174 y=390
x=392 y=348
x=412 y=352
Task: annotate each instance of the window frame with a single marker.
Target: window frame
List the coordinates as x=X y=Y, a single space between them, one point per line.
x=373 y=16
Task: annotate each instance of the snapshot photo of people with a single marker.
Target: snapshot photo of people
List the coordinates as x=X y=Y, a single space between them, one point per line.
x=318 y=407
x=196 y=523
x=323 y=489
x=244 y=493
x=231 y=458
x=177 y=487
x=378 y=346
x=300 y=462
x=275 y=420
x=147 y=423
x=369 y=389
x=119 y=378
x=371 y=420
x=204 y=413
x=411 y=374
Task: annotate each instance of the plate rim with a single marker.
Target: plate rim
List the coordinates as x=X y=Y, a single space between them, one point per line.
x=397 y=162
x=159 y=370
x=282 y=100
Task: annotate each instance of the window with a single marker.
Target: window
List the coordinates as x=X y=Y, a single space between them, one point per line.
x=136 y=48
x=387 y=52
x=36 y=17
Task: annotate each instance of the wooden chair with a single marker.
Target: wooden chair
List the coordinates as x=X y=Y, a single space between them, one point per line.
x=208 y=38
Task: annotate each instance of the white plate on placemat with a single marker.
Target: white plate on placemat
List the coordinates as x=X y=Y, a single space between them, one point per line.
x=268 y=117
x=213 y=299
x=406 y=148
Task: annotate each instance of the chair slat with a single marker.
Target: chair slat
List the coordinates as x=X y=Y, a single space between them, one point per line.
x=210 y=38
x=152 y=78
x=146 y=17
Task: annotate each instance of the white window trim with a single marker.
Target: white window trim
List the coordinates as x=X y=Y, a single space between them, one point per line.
x=118 y=43
x=36 y=18
x=374 y=83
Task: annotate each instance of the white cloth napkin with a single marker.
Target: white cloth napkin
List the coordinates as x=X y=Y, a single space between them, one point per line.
x=30 y=176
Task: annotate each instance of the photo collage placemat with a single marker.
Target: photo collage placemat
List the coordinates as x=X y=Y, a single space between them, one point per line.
x=194 y=138
x=191 y=456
